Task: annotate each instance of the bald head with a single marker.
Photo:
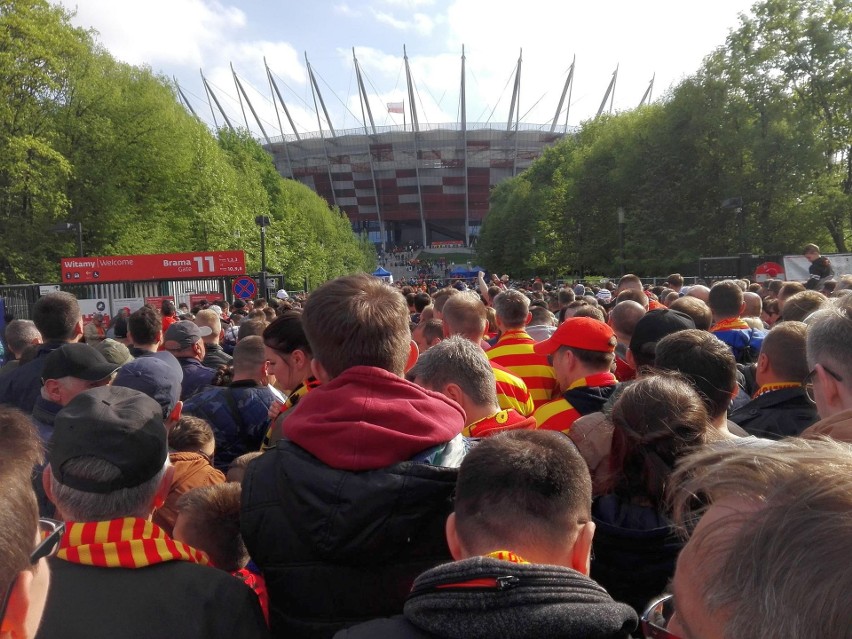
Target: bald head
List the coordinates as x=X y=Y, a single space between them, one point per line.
x=623 y=318
x=701 y=292
x=753 y=304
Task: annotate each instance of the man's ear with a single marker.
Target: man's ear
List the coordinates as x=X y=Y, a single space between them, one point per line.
x=762 y=363
x=15 y=619
x=581 y=552
x=51 y=387
x=742 y=309
x=454 y=392
x=453 y=541
x=78 y=329
x=413 y=354
x=529 y=318
x=831 y=388
x=174 y=415
x=164 y=488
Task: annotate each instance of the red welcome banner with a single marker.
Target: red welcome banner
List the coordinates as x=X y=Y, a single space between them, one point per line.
x=165 y=266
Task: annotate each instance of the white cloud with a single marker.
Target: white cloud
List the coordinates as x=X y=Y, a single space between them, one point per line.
x=419 y=22
x=410 y=4
x=158 y=32
x=346 y=10
x=666 y=37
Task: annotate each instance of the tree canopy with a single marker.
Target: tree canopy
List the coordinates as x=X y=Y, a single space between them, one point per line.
x=85 y=138
x=753 y=153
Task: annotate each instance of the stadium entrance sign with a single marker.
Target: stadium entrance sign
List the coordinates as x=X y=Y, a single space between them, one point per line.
x=165 y=266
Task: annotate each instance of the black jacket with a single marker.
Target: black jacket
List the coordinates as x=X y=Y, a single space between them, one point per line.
x=172 y=599
x=526 y=601
x=215 y=357
x=341 y=547
x=777 y=414
x=22 y=386
x=635 y=550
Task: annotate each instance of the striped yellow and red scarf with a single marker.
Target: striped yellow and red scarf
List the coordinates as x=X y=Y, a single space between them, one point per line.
x=123 y=543
x=729 y=324
x=507 y=555
x=768 y=388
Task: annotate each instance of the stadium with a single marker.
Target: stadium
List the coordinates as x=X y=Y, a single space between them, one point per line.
x=429 y=187
x=418 y=184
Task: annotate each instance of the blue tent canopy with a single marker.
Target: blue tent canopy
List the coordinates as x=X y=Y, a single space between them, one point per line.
x=384 y=274
x=464 y=272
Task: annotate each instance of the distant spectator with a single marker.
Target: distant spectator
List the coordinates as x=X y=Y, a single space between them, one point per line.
x=57 y=317
x=19 y=335
x=214 y=355
x=183 y=339
x=427 y=334
x=114 y=351
x=788 y=290
x=780 y=407
x=237 y=413
x=799 y=306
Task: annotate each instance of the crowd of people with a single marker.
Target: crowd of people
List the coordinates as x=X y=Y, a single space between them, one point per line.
x=514 y=459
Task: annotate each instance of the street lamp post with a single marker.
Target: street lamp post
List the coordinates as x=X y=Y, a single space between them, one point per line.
x=262 y=221
x=67 y=227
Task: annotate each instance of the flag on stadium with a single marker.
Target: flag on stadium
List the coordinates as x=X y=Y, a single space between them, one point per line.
x=396 y=107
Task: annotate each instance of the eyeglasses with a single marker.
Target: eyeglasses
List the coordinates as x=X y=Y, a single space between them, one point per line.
x=50 y=533
x=657 y=616
x=808 y=382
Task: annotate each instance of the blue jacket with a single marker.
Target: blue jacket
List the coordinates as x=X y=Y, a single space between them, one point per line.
x=195 y=376
x=238 y=414
x=744 y=342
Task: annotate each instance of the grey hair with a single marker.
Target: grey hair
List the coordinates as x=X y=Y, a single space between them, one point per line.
x=774 y=570
x=457 y=360
x=78 y=505
x=512 y=308
x=829 y=339
x=21 y=333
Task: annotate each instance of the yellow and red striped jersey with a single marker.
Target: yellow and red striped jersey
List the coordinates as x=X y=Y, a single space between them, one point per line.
x=512 y=392
x=514 y=350
x=590 y=393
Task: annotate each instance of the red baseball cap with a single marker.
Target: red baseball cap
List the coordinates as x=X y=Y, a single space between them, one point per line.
x=585 y=333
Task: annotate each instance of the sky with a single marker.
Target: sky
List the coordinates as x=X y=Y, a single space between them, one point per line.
x=664 y=39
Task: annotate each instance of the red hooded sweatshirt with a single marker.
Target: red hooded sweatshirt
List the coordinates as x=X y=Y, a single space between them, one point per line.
x=367 y=418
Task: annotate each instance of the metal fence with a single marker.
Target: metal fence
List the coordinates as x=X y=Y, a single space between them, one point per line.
x=20 y=298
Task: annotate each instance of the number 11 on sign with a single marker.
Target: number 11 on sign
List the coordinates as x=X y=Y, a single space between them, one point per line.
x=199 y=263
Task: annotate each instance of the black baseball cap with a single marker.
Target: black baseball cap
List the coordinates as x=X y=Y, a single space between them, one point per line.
x=654 y=326
x=77 y=360
x=117 y=425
